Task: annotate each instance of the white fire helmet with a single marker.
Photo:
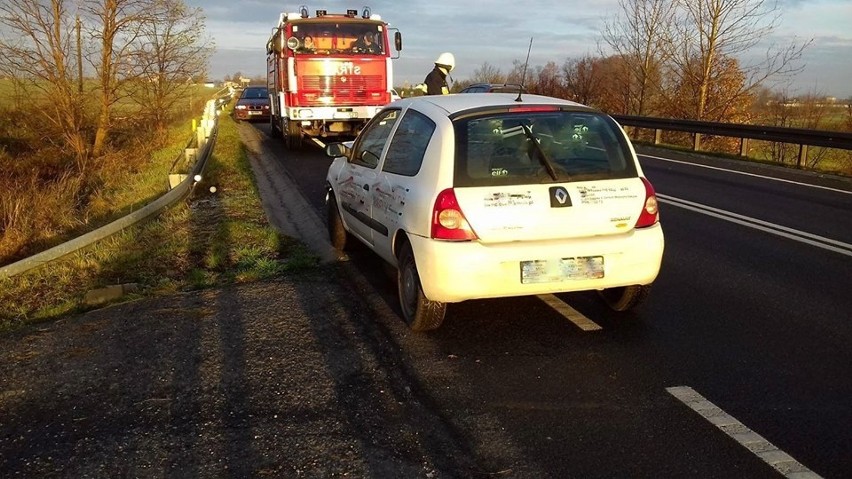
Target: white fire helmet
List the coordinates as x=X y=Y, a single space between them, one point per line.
x=446 y=59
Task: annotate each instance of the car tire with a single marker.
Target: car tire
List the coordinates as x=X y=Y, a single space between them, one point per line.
x=337 y=234
x=419 y=312
x=625 y=298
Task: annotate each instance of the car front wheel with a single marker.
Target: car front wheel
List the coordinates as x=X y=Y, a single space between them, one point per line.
x=419 y=312
x=625 y=298
x=337 y=234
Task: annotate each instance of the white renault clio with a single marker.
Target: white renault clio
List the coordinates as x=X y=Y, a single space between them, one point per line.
x=487 y=196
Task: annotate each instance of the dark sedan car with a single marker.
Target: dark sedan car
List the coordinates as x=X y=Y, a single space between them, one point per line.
x=493 y=88
x=253 y=104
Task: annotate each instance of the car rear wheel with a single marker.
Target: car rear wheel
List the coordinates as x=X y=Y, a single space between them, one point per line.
x=419 y=312
x=337 y=234
x=625 y=298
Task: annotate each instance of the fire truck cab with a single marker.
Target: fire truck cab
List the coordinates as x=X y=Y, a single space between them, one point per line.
x=327 y=75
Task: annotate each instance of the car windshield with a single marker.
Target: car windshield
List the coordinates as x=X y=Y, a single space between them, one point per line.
x=498 y=149
x=361 y=38
x=254 y=93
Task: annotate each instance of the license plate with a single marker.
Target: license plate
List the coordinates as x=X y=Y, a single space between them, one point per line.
x=345 y=115
x=254 y=113
x=562 y=269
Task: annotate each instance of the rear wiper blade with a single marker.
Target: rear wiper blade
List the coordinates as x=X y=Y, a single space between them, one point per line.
x=543 y=158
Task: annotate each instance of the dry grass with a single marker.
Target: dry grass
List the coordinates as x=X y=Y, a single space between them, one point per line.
x=208 y=240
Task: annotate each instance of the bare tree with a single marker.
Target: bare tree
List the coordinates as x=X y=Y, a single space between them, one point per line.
x=582 y=79
x=519 y=74
x=172 y=47
x=640 y=36
x=38 y=46
x=487 y=73
x=115 y=27
x=849 y=115
x=710 y=30
x=548 y=81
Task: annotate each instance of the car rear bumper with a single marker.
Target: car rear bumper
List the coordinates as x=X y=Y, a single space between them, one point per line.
x=458 y=271
x=343 y=113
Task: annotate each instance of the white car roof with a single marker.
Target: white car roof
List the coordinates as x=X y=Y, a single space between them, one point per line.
x=465 y=101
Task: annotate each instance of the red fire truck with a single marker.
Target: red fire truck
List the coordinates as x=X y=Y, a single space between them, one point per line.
x=328 y=74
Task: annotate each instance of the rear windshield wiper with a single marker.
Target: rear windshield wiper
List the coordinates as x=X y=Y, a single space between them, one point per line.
x=543 y=158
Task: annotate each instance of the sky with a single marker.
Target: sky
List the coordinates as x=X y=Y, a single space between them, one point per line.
x=498 y=32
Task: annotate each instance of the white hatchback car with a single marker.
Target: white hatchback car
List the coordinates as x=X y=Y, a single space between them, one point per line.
x=484 y=196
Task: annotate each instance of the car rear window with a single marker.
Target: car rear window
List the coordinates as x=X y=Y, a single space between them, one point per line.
x=498 y=148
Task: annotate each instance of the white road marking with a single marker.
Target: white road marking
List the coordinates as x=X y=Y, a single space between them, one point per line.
x=570 y=313
x=318 y=142
x=754 y=442
x=800 y=236
x=697 y=165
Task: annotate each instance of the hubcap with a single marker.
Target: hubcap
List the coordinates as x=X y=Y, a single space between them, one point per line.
x=409 y=289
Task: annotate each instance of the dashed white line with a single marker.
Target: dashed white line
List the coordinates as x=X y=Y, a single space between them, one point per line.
x=754 y=442
x=570 y=313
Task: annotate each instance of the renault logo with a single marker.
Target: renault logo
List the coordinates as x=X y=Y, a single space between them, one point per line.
x=559 y=197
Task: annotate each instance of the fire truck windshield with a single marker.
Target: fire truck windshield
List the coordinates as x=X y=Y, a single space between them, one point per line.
x=334 y=38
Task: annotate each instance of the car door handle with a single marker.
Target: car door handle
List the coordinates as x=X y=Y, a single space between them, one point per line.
x=367 y=187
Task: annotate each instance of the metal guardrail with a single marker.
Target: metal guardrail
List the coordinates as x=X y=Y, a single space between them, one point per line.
x=206 y=138
x=796 y=136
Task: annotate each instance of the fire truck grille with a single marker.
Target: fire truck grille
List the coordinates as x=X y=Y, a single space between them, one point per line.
x=349 y=89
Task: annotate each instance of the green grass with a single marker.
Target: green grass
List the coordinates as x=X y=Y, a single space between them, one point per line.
x=209 y=240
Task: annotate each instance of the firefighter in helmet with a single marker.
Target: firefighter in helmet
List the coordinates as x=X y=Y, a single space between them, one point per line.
x=436 y=80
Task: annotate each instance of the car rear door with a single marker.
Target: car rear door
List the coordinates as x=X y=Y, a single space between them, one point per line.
x=401 y=164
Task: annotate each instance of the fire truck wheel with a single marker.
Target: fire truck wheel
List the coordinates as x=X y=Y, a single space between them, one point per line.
x=294 y=135
x=274 y=130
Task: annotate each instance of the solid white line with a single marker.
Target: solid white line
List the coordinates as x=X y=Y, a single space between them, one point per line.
x=778 y=230
x=570 y=313
x=754 y=442
x=697 y=165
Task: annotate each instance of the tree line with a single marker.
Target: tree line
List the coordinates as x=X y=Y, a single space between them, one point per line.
x=672 y=58
x=685 y=59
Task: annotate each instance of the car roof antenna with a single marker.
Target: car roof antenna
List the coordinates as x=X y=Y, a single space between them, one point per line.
x=524 y=74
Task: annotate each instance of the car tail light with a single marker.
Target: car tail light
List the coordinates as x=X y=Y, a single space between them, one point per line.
x=448 y=221
x=650 y=215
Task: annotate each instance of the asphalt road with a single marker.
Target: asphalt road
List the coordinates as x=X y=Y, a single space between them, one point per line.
x=752 y=311
x=738 y=366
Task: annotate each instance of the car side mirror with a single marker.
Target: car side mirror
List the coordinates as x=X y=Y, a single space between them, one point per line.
x=334 y=150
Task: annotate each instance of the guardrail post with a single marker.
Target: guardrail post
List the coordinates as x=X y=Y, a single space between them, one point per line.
x=696 y=142
x=743 y=146
x=803 y=156
x=658 y=136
